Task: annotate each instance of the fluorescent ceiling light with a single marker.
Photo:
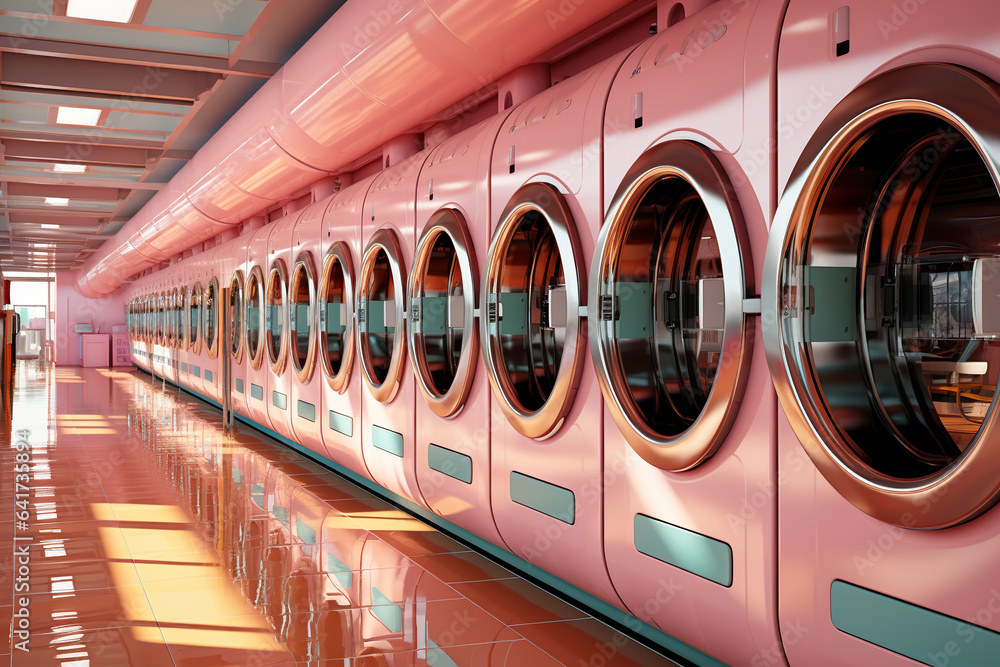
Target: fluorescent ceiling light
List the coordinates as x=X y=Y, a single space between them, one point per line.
x=50 y=226
x=119 y=11
x=43 y=245
x=78 y=116
x=70 y=168
x=56 y=201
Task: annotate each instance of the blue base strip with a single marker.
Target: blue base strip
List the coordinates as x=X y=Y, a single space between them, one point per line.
x=655 y=637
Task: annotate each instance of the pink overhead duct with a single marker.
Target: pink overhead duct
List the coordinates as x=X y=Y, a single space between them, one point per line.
x=373 y=71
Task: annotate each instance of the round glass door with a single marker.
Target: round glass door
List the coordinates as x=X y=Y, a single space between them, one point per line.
x=183 y=305
x=176 y=310
x=161 y=319
x=255 y=317
x=883 y=272
x=669 y=338
x=194 y=319
x=381 y=293
x=302 y=300
x=531 y=334
x=275 y=314
x=210 y=309
x=336 y=316
x=442 y=297
x=235 y=315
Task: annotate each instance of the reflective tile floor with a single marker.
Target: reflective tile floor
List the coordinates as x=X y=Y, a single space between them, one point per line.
x=142 y=535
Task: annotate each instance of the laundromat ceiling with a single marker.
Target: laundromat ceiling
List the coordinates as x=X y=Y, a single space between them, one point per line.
x=103 y=101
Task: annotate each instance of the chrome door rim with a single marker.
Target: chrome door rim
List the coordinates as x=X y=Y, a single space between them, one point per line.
x=304 y=262
x=969 y=485
x=385 y=240
x=339 y=253
x=236 y=335
x=256 y=358
x=196 y=291
x=450 y=222
x=548 y=419
x=699 y=169
x=211 y=346
x=280 y=271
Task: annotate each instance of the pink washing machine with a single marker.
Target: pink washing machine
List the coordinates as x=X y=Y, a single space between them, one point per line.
x=305 y=381
x=276 y=325
x=236 y=343
x=192 y=321
x=547 y=407
x=880 y=281
x=343 y=385
x=453 y=412
x=257 y=367
x=199 y=359
x=212 y=345
x=388 y=405
x=689 y=438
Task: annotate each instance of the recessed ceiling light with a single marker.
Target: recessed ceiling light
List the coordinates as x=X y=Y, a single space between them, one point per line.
x=78 y=116
x=119 y=11
x=50 y=226
x=69 y=168
x=56 y=201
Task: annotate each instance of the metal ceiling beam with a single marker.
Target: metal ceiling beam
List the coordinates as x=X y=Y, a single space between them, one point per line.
x=89 y=193
x=137 y=82
x=61 y=180
x=86 y=141
x=136 y=57
x=52 y=151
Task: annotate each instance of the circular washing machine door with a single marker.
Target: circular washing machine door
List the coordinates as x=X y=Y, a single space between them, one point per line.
x=381 y=295
x=531 y=335
x=442 y=333
x=210 y=309
x=884 y=273
x=669 y=339
x=254 y=300
x=235 y=306
x=302 y=304
x=336 y=316
x=194 y=319
x=275 y=313
x=176 y=313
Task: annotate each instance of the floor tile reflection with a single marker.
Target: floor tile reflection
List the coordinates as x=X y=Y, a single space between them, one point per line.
x=156 y=539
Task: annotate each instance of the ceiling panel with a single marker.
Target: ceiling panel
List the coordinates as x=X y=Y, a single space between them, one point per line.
x=116 y=36
x=231 y=18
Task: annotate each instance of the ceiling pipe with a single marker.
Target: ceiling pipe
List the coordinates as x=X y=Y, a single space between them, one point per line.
x=374 y=70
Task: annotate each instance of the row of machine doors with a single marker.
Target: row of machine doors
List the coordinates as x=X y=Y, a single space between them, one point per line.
x=791 y=357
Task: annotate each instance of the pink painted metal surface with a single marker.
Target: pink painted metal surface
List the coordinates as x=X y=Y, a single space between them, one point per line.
x=342 y=405
x=822 y=536
x=305 y=387
x=725 y=498
x=279 y=376
x=256 y=377
x=390 y=206
x=554 y=138
x=455 y=177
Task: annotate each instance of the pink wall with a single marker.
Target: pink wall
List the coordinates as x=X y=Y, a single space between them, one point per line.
x=72 y=307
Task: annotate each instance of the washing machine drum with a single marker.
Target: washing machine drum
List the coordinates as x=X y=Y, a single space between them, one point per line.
x=381 y=295
x=443 y=340
x=531 y=333
x=336 y=316
x=669 y=336
x=887 y=286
